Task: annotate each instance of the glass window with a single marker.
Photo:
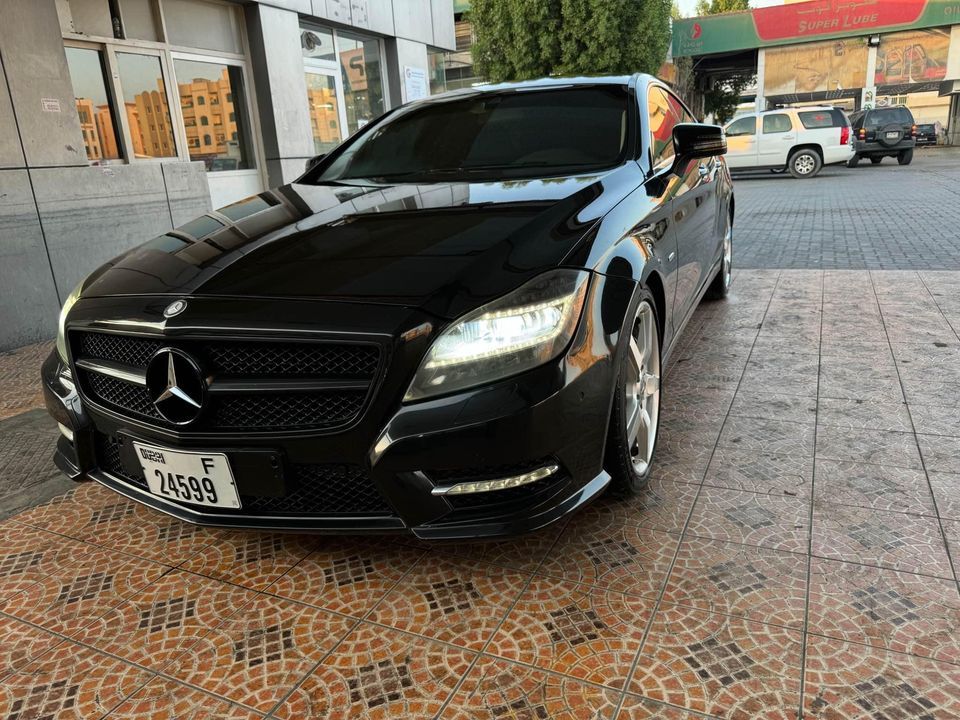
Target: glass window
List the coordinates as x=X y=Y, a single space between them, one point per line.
x=495 y=136
x=436 y=70
x=324 y=112
x=663 y=115
x=139 y=21
x=201 y=24
x=145 y=102
x=816 y=119
x=778 y=123
x=362 y=79
x=742 y=126
x=208 y=92
x=93 y=104
x=317 y=44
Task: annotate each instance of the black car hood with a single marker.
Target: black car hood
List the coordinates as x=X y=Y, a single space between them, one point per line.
x=442 y=247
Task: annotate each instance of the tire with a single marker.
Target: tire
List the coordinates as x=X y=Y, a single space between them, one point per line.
x=778 y=171
x=804 y=163
x=905 y=157
x=637 y=393
x=720 y=287
x=853 y=162
x=876 y=160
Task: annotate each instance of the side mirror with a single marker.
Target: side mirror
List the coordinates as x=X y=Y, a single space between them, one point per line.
x=313 y=162
x=692 y=141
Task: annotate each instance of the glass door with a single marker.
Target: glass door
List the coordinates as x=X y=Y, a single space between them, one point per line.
x=325 y=102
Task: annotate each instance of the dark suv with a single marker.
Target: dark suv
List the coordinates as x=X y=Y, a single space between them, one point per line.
x=883 y=132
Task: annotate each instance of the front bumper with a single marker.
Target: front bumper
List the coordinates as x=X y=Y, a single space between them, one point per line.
x=556 y=413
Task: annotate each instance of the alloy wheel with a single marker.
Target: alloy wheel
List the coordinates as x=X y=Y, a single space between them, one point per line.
x=728 y=257
x=804 y=164
x=642 y=388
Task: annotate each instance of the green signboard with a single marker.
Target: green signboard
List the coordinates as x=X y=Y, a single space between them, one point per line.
x=807 y=21
x=460 y=6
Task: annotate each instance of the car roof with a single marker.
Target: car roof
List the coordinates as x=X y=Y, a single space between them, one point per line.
x=542 y=83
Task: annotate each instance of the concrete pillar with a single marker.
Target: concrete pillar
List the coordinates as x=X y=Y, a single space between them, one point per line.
x=401 y=54
x=761 y=67
x=868 y=96
x=31 y=48
x=277 y=64
x=953 y=121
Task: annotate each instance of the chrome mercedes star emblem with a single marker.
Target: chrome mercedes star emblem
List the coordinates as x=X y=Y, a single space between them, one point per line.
x=175 y=308
x=176 y=385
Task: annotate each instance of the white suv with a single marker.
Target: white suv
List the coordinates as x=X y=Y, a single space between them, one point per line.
x=800 y=140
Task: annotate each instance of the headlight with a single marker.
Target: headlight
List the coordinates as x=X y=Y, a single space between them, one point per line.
x=61 y=325
x=524 y=329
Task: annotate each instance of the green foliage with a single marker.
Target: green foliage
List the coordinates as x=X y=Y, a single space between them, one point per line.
x=523 y=39
x=715 y=7
x=723 y=99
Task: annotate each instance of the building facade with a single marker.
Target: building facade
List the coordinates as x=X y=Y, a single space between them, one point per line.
x=851 y=54
x=121 y=119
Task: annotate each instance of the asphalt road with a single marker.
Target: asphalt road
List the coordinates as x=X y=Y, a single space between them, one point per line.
x=876 y=217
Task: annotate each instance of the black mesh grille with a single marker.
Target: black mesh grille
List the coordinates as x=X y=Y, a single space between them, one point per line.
x=314 y=489
x=118 y=348
x=293 y=360
x=268 y=411
x=292 y=411
x=122 y=395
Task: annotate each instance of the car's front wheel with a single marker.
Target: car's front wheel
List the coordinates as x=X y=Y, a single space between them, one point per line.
x=804 y=163
x=635 y=422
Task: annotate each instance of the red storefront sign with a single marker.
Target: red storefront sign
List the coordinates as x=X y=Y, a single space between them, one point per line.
x=826 y=17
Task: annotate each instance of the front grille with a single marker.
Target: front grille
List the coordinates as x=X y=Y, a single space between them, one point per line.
x=314 y=489
x=299 y=399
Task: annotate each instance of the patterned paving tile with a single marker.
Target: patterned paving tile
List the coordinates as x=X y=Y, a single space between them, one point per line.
x=639 y=708
x=793 y=408
x=73 y=596
x=946 y=491
x=875 y=447
x=899 y=541
x=259 y=654
x=847 y=681
x=19 y=373
x=346 y=575
x=940 y=454
x=138 y=530
x=28 y=554
x=662 y=505
x=21 y=644
x=767 y=436
x=162 y=699
x=628 y=559
x=71 y=682
x=165 y=619
x=380 y=673
x=781 y=523
x=723 y=665
x=873 y=486
x=864 y=414
x=496 y=689
x=459 y=601
x=936 y=420
x=756 y=583
x=69 y=514
x=760 y=472
x=859 y=380
x=585 y=632
x=898 y=611
x=251 y=559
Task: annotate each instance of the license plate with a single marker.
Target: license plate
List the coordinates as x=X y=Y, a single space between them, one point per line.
x=197 y=478
x=892 y=135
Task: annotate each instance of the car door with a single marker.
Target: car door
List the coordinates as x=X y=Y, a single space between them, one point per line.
x=742 y=142
x=777 y=137
x=693 y=209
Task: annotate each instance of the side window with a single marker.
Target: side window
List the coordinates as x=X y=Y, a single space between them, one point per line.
x=776 y=123
x=743 y=126
x=664 y=115
x=815 y=119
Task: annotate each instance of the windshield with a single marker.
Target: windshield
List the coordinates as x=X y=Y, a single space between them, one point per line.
x=508 y=135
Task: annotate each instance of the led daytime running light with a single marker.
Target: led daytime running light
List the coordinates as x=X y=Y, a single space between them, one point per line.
x=469 y=488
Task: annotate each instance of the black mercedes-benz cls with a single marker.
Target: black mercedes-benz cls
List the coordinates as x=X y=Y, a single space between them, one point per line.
x=453 y=324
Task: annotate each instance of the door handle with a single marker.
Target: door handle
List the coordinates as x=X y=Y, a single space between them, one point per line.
x=788 y=137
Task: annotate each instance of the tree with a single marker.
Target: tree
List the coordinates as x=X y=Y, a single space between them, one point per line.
x=722 y=99
x=523 y=39
x=715 y=7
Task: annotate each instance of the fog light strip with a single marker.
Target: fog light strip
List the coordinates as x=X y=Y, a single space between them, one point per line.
x=67 y=432
x=500 y=484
